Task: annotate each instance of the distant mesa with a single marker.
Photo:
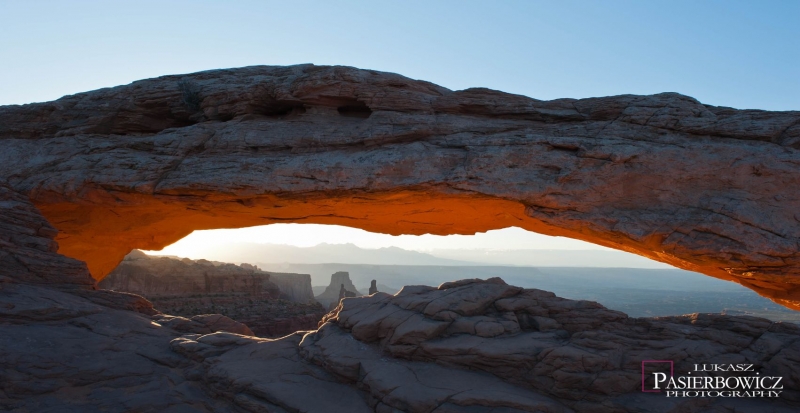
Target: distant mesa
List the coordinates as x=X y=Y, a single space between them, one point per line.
x=152 y=277
x=339 y=281
x=269 y=304
x=294 y=287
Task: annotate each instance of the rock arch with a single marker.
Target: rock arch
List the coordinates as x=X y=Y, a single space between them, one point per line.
x=708 y=189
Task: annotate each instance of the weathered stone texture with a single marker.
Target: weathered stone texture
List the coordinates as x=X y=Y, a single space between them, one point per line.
x=165 y=276
x=578 y=353
x=295 y=287
x=477 y=346
x=704 y=188
x=28 y=252
x=268 y=304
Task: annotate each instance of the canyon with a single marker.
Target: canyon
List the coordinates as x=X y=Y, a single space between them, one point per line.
x=269 y=304
x=90 y=177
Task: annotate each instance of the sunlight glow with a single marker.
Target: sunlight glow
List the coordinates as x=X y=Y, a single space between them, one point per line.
x=307 y=235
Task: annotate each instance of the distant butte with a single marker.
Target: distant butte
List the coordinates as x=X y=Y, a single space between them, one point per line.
x=704 y=188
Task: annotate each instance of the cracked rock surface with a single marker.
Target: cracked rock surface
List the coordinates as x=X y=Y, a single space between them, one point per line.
x=579 y=353
x=63 y=353
x=475 y=346
x=704 y=188
x=390 y=354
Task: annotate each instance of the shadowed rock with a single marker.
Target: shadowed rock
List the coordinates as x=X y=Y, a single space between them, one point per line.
x=296 y=287
x=165 y=276
x=490 y=347
x=700 y=187
x=203 y=324
x=28 y=252
x=262 y=301
x=466 y=346
x=578 y=353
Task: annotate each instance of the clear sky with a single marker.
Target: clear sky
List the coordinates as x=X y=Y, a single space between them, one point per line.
x=308 y=235
x=743 y=54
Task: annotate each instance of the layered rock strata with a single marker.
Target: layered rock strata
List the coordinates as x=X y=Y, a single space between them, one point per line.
x=203 y=324
x=484 y=346
x=700 y=187
x=294 y=287
x=201 y=288
x=67 y=347
x=467 y=346
x=153 y=277
x=28 y=252
x=60 y=352
x=265 y=317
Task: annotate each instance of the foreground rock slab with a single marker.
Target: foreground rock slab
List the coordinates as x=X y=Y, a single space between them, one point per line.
x=470 y=346
x=483 y=346
x=60 y=352
x=704 y=188
x=466 y=346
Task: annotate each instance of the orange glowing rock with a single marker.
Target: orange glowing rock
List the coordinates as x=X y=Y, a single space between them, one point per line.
x=708 y=189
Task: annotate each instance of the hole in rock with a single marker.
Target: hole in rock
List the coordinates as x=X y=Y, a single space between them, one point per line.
x=271 y=107
x=355 y=109
x=279 y=109
x=281 y=278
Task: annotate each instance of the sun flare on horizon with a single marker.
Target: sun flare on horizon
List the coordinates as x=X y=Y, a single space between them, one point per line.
x=316 y=243
x=309 y=235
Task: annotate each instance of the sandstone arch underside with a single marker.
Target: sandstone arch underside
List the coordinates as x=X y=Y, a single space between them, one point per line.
x=708 y=189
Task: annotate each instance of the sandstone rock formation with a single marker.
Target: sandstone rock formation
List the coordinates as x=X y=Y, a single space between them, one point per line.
x=345 y=293
x=466 y=346
x=339 y=281
x=153 y=277
x=484 y=346
x=67 y=347
x=294 y=287
x=578 y=352
x=27 y=250
x=704 y=188
x=60 y=352
x=197 y=290
x=373 y=287
x=29 y=255
x=278 y=322
x=203 y=324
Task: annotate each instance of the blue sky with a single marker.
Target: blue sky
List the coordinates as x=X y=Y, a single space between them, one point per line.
x=731 y=53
